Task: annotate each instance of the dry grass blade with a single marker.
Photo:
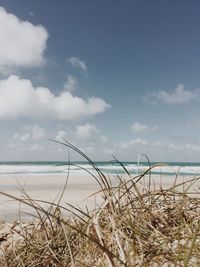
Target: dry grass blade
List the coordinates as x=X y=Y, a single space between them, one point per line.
x=134 y=226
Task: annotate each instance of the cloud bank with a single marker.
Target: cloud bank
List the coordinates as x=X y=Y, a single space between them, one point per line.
x=18 y=98
x=178 y=96
x=22 y=44
x=35 y=132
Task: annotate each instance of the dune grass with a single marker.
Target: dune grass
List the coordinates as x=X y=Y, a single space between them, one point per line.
x=136 y=224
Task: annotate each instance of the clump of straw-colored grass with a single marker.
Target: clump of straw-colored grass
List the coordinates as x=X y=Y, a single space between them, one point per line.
x=136 y=225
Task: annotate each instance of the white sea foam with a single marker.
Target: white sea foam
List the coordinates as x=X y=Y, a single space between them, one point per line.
x=80 y=169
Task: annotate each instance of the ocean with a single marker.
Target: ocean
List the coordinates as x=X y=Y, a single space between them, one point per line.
x=78 y=168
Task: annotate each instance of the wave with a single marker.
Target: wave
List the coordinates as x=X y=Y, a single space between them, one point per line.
x=77 y=168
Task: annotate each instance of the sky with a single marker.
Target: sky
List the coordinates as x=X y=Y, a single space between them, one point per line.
x=114 y=78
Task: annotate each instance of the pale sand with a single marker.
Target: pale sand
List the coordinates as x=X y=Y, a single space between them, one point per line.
x=48 y=187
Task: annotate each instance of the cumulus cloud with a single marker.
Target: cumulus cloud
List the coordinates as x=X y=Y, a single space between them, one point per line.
x=60 y=135
x=78 y=63
x=85 y=131
x=140 y=144
x=139 y=141
x=18 y=98
x=37 y=132
x=34 y=132
x=178 y=96
x=121 y=146
x=140 y=127
x=25 y=137
x=21 y=42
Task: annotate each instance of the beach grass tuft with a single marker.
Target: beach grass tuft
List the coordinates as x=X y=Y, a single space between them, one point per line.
x=136 y=224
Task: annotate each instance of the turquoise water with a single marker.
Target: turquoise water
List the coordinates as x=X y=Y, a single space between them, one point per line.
x=46 y=167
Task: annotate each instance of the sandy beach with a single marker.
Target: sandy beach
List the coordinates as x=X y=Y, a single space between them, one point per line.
x=165 y=211
x=49 y=187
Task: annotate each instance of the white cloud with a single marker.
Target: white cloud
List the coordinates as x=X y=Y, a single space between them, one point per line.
x=78 y=63
x=37 y=132
x=178 y=96
x=70 y=84
x=34 y=132
x=85 y=131
x=163 y=150
x=18 y=98
x=103 y=138
x=139 y=141
x=21 y=42
x=146 y=146
x=60 y=135
x=121 y=145
x=15 y=136
x=25 y=137
x=139 y=127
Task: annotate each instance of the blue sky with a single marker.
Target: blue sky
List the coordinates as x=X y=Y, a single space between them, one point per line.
x=112 y=77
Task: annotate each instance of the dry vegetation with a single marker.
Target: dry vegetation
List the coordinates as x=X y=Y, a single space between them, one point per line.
x=135 y=226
